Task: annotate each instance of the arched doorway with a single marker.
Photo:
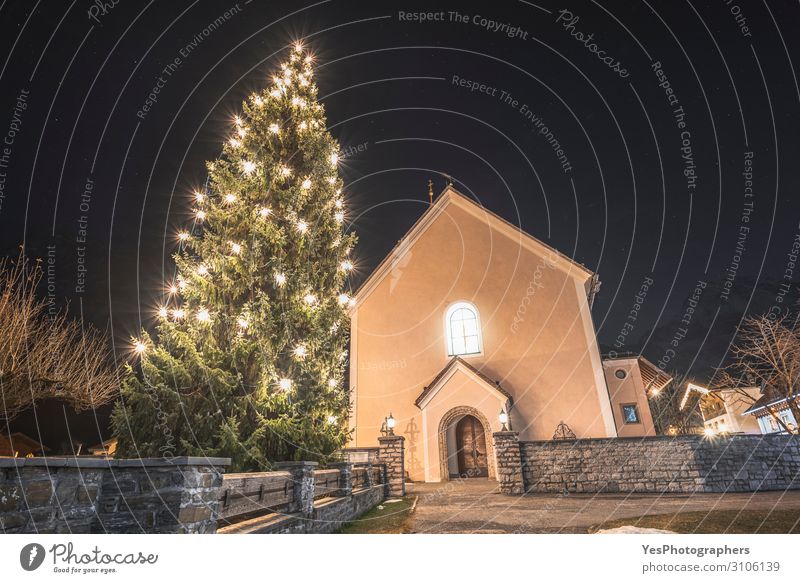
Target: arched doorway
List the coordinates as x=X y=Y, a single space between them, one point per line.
x=471 y=455
x=465 y=445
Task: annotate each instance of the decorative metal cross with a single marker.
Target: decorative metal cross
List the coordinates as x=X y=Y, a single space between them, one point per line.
x=563 y=432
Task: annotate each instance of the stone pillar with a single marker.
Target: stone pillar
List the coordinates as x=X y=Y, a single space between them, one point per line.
x=509 y=462
x=369 y=479
x=391 y=453
x=345 y=477
x=303 y=477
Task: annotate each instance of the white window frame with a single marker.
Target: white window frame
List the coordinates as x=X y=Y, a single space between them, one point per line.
x=447 y=330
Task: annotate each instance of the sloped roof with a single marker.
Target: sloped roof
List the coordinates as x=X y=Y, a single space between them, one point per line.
x=770 y=397
x=652 y=376
x=451 y=196
x=456 y=361
x=20 y=442
x=107 y=446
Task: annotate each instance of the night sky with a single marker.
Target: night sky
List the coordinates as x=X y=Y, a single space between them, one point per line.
x=654 y=142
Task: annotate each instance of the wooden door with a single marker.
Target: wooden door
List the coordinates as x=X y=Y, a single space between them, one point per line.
x=471 y=444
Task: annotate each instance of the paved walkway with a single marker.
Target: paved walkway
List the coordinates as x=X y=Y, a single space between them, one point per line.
x=476 y=505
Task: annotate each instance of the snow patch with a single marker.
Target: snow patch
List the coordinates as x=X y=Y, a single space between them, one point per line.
x=628 y=529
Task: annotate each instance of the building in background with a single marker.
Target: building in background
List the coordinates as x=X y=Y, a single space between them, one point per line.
x=106 y=448
x=766 y=408
x=726 y=410
x=20 y=445
x=631 y=379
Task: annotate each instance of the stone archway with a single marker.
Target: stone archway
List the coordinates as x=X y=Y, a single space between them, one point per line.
x=451 y=417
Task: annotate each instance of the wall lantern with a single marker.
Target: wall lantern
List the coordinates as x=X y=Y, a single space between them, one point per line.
x=388 y=425
x=503 y=418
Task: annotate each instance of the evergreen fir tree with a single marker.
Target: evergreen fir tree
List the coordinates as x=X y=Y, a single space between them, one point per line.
x=251 y=342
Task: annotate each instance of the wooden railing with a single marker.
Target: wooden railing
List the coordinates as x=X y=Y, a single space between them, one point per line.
x=360 y=455
x=254 y=493
x=376 y=474
x=245 y=496
x=359 y=478
x=366 y=474
x=326 y=483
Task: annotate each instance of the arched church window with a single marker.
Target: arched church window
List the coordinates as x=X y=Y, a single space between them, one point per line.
x=463 y=329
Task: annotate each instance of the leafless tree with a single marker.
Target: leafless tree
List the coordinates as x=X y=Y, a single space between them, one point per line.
x=44 y=355
x=766 y=354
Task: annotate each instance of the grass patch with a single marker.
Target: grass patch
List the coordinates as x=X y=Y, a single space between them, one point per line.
x=383 y=519
x=777 y=521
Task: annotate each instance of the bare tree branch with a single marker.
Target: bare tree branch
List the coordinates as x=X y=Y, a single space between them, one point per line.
x=45 y=356
x=765 y=354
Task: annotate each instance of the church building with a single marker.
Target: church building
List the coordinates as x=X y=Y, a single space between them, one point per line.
x=470 y=317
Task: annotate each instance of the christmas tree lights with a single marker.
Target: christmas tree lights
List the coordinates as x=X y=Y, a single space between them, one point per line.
x=250 y=341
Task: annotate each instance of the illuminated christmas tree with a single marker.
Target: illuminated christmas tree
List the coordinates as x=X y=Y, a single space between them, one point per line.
x=248 y=356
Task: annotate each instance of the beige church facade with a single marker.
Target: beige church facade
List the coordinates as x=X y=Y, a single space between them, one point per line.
x=469 y=316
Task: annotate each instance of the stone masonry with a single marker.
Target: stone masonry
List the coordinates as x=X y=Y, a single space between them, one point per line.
x=391 y=453
x=509 y=462
x=345 y=477
x=87 y=495
x=82 y=495
x=688 y=464
x=303 y=476
x=54 y=498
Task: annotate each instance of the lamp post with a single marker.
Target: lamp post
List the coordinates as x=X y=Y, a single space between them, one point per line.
x=387 y=428
x=503 y=418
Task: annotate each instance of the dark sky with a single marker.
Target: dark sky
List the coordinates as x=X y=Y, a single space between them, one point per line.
x=645 y=189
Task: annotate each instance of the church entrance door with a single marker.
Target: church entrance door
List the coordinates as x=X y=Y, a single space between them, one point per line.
x=471 y=445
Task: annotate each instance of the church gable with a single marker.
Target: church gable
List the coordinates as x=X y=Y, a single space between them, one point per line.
x=471 y=221
x=459 y=371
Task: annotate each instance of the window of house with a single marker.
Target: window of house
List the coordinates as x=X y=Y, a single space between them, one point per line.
x=630 y=413
x=463 y=329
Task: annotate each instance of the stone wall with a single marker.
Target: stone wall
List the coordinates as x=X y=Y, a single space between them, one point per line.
x=331 y=515
x=184 y=495
x=328 y=515
x=391 y=455
x=54 y=498
x=160 y=496
x=91 y=495
x=509 y=462
x=739 y=463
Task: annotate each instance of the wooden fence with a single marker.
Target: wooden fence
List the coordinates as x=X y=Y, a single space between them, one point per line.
x=250 y=495
x=326 y=483
x=361 y=455
x=244 y=495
